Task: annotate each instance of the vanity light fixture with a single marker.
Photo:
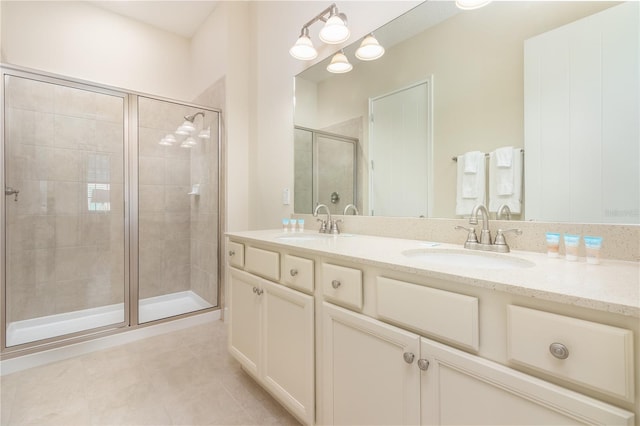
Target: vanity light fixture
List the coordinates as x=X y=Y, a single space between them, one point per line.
x=188 y=142
x=303 y=49
x=335 y=31
x=185 y=128
x=471 y=4
x=168 y=140
x=369 y=49
x=205 y=133
x=339 y=64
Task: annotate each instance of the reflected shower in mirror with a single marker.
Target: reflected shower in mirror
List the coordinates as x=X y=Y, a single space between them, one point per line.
x=325 y=170
x=484 y=98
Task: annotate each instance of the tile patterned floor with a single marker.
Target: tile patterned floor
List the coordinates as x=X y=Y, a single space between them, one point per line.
x=180 y=378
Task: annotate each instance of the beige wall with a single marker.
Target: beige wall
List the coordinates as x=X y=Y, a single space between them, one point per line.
x=83 y=41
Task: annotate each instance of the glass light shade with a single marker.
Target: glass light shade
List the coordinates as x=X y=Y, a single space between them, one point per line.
x=188 y=142
x=471 y=4
x=303 y=49
x=335 y=31
x=185 y=128
x=339 y=64
x=205 y=133
x=369 y=49
x=168 y=140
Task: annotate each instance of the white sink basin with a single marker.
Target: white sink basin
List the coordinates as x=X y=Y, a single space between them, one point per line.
x=467 y=258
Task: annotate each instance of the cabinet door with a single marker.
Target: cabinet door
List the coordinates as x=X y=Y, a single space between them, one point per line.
x=366 y=379
x=288 y=367
x=459 y=388
x=244 y=319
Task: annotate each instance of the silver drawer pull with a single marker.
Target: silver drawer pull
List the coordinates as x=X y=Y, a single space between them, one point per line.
x=335 y=284
x=232 y=253
x=423 y=364
x=408 y=357
x=559 y=350
x=293 y=272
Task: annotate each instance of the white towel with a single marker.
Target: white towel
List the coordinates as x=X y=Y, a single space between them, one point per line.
x=504 y=156
x=505 y=183
x=472 y=161
x=471 y=187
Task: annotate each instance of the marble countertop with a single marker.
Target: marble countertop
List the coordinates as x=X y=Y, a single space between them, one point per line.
x=612 y=286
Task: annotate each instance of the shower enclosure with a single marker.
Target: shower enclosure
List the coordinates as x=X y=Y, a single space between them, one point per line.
x=325 y=170
x=110 y=217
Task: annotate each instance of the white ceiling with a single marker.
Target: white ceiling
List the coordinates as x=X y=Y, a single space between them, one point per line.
x=182 y=17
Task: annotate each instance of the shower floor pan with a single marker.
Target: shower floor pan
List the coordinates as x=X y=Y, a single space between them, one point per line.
x=150 y=309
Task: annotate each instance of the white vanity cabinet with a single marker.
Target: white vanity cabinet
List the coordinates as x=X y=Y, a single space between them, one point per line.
x=460 y=388
x=375 y=373
x=272 y=335
x=369 y=375
x=391 y=345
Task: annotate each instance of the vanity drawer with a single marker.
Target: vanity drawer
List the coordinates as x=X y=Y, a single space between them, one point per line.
x=261 y=262
x=236 y=254
x=591 y=354
x=298 y=273
x=444 y=315
x=342 y=285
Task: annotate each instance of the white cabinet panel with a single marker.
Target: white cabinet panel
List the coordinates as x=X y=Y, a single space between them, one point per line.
x=288 y=348
x=298 y=273
x=459 y=388
x=244 y=319
x=366 y=378
x=450 y=316
x=531 y=334
x=272 y=335
x=265 y=263
x=342 y=285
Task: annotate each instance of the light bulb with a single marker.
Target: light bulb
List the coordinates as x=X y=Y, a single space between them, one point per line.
x=303 y=49
x=335 y=30
x=339 y=64
x=369 y=49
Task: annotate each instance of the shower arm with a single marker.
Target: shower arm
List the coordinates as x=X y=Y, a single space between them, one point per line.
x=192 y=117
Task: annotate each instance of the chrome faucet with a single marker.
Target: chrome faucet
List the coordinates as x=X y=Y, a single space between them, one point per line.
x=324 y=224
x=503 y=212
x=485 y=244
x=485 y=234
x=352 y=207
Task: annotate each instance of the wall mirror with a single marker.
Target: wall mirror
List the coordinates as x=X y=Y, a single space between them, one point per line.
x=480 y=69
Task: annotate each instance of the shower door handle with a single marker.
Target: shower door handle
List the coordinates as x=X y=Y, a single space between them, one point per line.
x=10 y=191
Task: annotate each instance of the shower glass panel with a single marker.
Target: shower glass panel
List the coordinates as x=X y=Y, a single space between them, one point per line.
x=178 y=209
x=65 y=270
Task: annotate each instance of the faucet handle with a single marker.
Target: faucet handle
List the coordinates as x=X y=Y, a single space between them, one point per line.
x=323 y=226
x=500 y=235
x=471 y=237
x=335 y=229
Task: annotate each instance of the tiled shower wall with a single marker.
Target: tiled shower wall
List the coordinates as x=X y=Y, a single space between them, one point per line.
x=63 y=252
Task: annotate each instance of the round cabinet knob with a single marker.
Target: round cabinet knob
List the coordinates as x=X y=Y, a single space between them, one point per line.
x=423 y=364
x=559 y=350
x=408 y=357
x=293 y=272
x=232 y=253
x=335 y=284
x=255 y=289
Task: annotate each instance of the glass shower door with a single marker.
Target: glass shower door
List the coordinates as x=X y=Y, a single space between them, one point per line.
x=64 y=176
x=177 y=209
